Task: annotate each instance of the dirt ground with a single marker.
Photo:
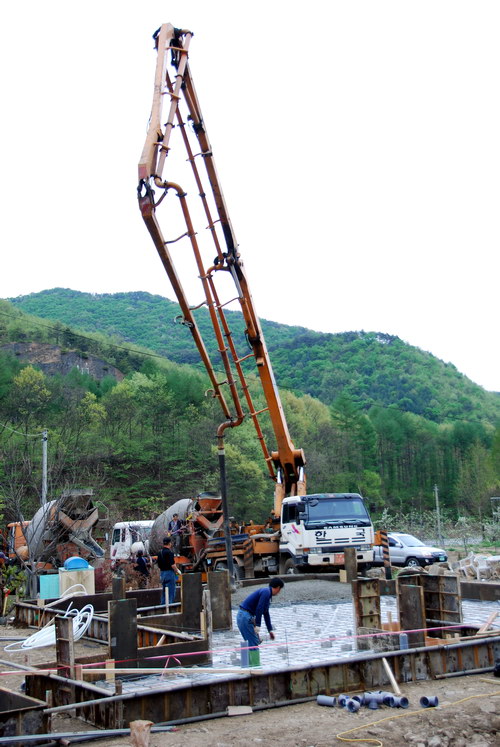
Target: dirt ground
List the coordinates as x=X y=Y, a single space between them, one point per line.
x=468 y=711
x=468 y=715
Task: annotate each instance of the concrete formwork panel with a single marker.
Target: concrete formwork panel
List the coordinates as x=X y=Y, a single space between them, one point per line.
x=21 y=714
x=261 y=688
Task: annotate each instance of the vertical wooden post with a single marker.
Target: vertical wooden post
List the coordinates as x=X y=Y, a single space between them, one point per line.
x=220 y=593
x=118 y=587
x=118 y=705
x=191 y=599
x=110 y=675
x=350 y=564
x=206 y=621
x=65 y=656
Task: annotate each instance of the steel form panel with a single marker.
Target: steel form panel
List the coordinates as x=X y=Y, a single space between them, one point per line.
x=263 y=688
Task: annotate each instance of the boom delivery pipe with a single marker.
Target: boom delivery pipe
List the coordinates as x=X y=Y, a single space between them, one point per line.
x=286 y=462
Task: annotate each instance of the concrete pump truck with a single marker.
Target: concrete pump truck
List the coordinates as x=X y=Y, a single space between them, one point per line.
x=305 y=530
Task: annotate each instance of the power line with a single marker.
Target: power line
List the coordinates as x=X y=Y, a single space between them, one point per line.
x=90 y=339
x=254 y=378
x=19 y=433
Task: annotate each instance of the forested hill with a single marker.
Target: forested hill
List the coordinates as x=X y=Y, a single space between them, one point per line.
x=371 y=368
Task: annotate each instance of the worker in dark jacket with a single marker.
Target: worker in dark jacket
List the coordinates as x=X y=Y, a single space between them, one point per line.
x=254 y=608
x=175 y=529
x=142 y=568
x=168 y=571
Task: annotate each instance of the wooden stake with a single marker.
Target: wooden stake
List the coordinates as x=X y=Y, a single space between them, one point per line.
x=484 y=627
x=392 y=679
x=109 y=671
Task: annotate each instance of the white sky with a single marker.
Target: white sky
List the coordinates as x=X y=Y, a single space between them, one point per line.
x=357 y=144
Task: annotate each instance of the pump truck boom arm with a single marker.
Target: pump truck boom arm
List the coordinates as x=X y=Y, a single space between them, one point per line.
x=174 y=83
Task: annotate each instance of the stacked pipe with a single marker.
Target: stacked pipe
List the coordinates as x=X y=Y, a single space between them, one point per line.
x=374 y=700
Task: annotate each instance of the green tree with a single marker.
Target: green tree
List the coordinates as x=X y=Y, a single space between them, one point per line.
x=495 y=454
x=358 y=440
x=250 y=496
x=29 y=397
x=476 y=481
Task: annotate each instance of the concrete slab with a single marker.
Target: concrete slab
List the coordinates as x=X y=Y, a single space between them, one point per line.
x=296 y=646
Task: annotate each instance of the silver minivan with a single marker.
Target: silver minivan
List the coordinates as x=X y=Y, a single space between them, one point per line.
x=407 y=550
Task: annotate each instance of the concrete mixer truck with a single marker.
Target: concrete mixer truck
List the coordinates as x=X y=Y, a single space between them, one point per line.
x=200 y=520
x=59 y=529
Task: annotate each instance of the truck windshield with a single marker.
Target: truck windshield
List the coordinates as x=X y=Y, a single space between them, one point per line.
x=336 y=512
x=139 y=532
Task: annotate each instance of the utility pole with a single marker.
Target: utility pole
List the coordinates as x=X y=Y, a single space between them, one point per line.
x=225 y=511
x=495 y=509
x=45 y=437
x=438 y=515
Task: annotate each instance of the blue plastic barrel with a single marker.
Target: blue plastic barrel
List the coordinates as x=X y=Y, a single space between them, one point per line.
x=75 y=563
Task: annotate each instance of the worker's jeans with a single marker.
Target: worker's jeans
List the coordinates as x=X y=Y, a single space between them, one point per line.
x=167 y=579
x=246 y=622
x=176 y=544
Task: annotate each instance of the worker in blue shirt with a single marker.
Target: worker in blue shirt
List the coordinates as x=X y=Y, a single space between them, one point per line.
x=253 y=608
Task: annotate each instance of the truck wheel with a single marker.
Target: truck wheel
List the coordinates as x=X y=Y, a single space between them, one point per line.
x=290 y=568
x=412 y=563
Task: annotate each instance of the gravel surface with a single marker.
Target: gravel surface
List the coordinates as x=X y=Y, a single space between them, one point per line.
x=295 y=592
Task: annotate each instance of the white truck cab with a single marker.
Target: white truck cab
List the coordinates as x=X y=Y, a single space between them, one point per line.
x=127 y=537
x=316 y=529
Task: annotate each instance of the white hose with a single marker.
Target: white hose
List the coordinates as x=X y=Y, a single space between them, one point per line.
x=47 y=636
x=71 y=591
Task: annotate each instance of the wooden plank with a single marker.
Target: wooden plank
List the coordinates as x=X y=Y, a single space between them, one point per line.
x=484 y=627
x=412 y=613
x=109 y=670
x=390 y=674
x=119 y=589
x=122 y=631
x=220 y=593
x=191 y=592
x=350 y=563
x=206 y=619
